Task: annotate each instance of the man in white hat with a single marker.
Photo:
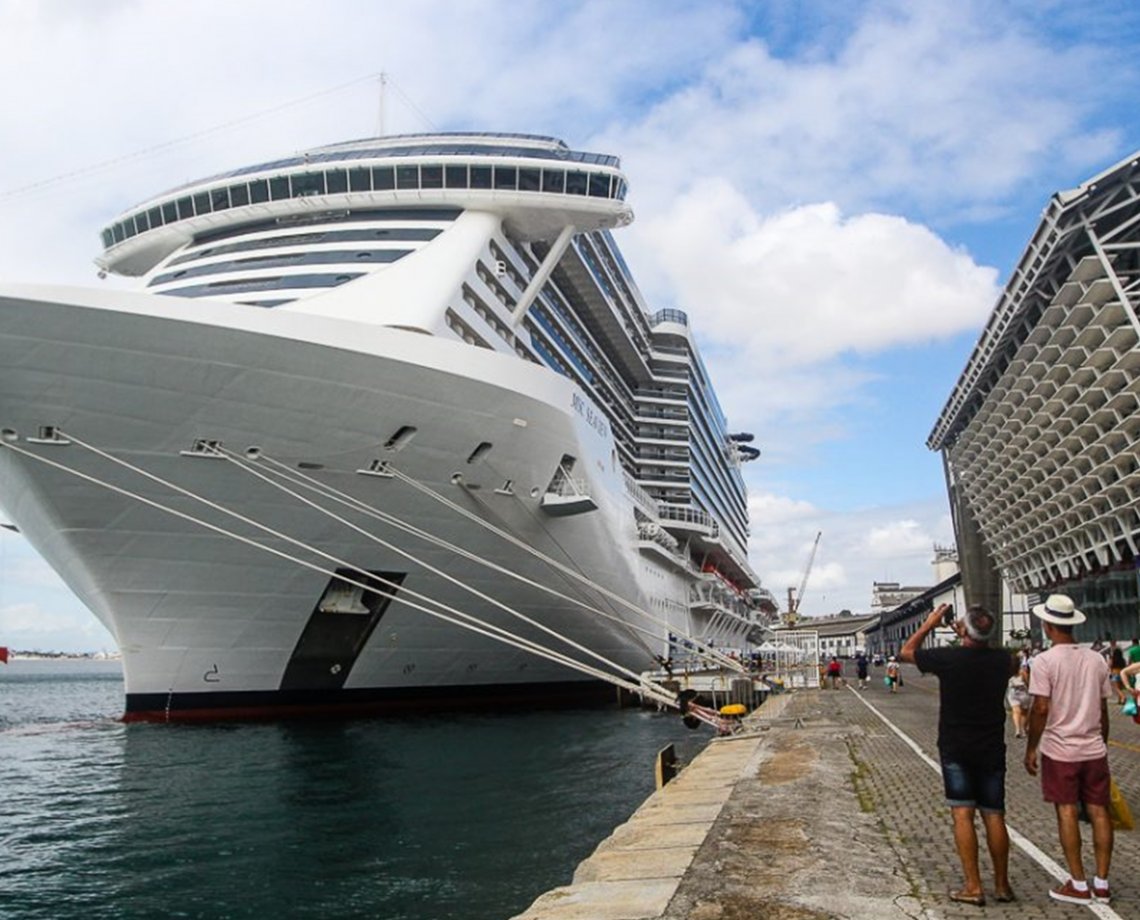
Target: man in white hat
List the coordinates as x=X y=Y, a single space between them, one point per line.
x=1068 y=724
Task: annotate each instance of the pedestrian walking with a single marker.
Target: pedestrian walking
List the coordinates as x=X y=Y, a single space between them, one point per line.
x=834 y=672
x=1116 y=664
x=1017 y=699
x=862 y=669
x=1068 y=726
x=972 y=682
x=894 y=674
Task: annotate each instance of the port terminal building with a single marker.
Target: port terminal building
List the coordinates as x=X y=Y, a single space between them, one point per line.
x=1040 y=436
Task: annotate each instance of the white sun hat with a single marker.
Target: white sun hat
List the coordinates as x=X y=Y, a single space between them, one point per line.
x=1060 y=610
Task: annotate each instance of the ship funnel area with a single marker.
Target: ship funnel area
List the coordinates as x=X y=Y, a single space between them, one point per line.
x=355 y=599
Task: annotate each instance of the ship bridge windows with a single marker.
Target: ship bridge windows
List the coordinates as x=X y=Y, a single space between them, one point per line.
x=554 y=180
x=480 y=177
x=344 y=180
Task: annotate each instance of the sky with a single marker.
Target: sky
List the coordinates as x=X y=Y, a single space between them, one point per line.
x=835 y=192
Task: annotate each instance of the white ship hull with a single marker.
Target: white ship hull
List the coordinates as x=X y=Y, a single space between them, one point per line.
x=206 y=623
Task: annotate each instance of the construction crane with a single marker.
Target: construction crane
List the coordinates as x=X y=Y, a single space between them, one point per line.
x=795 y=598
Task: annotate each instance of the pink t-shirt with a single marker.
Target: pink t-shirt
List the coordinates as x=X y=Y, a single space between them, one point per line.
x=1076 y=680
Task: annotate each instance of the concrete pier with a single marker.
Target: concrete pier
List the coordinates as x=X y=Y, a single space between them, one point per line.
x=831 y=806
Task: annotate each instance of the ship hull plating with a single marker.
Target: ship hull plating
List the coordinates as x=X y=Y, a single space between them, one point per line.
x=415 y=468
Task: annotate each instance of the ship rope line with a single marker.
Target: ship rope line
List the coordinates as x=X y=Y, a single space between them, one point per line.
x=147 y=153
x=642 y=686
x=343 y=498
x=233 y=458
x=702 y=650
x=685 y=701
x=327 y=491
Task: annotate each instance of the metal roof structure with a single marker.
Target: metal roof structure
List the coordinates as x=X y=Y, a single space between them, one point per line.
x=1040 y=434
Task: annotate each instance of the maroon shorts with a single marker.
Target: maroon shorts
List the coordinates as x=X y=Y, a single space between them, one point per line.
x=1066 y=782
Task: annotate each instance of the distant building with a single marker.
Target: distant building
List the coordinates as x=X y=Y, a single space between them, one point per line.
x=887 y=595
x=841 y=635
x=897 y=625
x=894 y=627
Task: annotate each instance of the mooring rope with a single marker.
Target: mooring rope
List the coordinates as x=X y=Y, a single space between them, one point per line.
x=702 y=649
x=431 y=568
x=451 y=615
x=386 y=517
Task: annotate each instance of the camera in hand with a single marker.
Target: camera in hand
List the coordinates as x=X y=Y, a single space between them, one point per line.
x=948 y=616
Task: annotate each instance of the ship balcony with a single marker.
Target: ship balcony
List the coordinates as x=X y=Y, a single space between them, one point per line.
x=688 y=520
x=654 y=540
x=567 y=496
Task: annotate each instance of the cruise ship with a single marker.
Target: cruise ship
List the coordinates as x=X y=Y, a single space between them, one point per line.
x=384 y=424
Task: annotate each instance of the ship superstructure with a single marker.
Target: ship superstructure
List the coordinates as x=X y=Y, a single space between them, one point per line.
x=437 y=335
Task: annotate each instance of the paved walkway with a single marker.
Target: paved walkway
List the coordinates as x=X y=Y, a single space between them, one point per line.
x=832 y=808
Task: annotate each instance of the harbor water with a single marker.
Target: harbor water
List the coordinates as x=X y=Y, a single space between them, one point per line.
x=421 y=818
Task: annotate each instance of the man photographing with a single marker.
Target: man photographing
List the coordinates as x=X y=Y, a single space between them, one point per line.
x=972 y=680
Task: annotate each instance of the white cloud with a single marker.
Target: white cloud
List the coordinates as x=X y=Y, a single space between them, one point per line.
x=806 y=285
x=895 y=540
x=857 y=548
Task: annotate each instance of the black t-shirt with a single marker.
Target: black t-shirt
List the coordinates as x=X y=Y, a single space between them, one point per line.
x=971 y=687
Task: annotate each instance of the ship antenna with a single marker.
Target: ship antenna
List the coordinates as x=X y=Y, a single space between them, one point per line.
x=383 y=94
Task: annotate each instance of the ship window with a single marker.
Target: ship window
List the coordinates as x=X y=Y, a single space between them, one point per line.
x=308 y=184
x=118 y=232
x=599 y=185
x=108 y=238
x=431 y=176
x=554 y=180
x=407 y=177
x=382 y=177
x=220 y=199
x=575 y=183
x=128 y=228
x=506 y=177
x=480 y=176
x=185 y=208
x=154 y=217
x=141 y=223
x=400 y=438
x=202 y=203
x=336 y=180
x=169 y=213
x=258 y=191
x=279 y=187
x=360 y=179
x=479 y=452
x=528 y=180
x=239 y=195
x=456 y=176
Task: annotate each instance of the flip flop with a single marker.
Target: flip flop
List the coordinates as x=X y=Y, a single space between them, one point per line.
x=978 y=900
x=1007 y=897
